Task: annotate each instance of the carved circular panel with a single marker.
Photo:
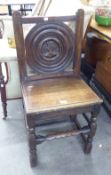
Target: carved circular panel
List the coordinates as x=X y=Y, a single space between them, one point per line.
x=49 y=47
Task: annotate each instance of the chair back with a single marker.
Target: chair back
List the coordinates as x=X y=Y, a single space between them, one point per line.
x=52 y=46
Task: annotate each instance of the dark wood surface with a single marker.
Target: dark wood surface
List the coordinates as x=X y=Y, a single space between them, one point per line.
x=3 y=82
x=50 y=47
x=97 y=49
x=62 y=41
x=49 y=64
x=59 y=94
x=97 y=61
x=103 y=75
x=98 y=53
x=101 y=91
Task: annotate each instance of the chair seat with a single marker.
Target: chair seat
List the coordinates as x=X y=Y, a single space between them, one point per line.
x=54 y=94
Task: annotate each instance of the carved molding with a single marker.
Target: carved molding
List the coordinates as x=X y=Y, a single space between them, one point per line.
x=49 y=47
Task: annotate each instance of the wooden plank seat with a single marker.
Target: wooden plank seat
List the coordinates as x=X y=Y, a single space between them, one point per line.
x=52 y=51
x=59 y=94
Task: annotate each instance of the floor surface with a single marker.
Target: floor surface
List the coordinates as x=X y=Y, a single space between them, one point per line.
x=57 y=157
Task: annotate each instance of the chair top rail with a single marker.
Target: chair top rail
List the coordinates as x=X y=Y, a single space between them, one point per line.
x=27 y=20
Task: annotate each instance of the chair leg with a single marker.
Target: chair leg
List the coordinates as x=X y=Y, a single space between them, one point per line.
x=88 y=145
x=3 y=99
x=91 y=134
x=32 y=147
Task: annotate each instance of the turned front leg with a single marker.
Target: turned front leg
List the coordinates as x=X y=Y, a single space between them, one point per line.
x=93 y=126
x=32 y=147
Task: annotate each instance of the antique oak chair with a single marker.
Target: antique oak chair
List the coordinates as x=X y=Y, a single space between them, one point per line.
x=49 y=64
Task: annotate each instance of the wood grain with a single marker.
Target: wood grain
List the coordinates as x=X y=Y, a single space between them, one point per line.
x=104 y=70
x=55 y=94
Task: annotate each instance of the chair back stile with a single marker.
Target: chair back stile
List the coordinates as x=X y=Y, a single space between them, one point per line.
x=42 y=44
x=20 y=47
x=78 y=41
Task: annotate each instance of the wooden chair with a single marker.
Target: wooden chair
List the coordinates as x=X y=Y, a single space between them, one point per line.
x=49 y=64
